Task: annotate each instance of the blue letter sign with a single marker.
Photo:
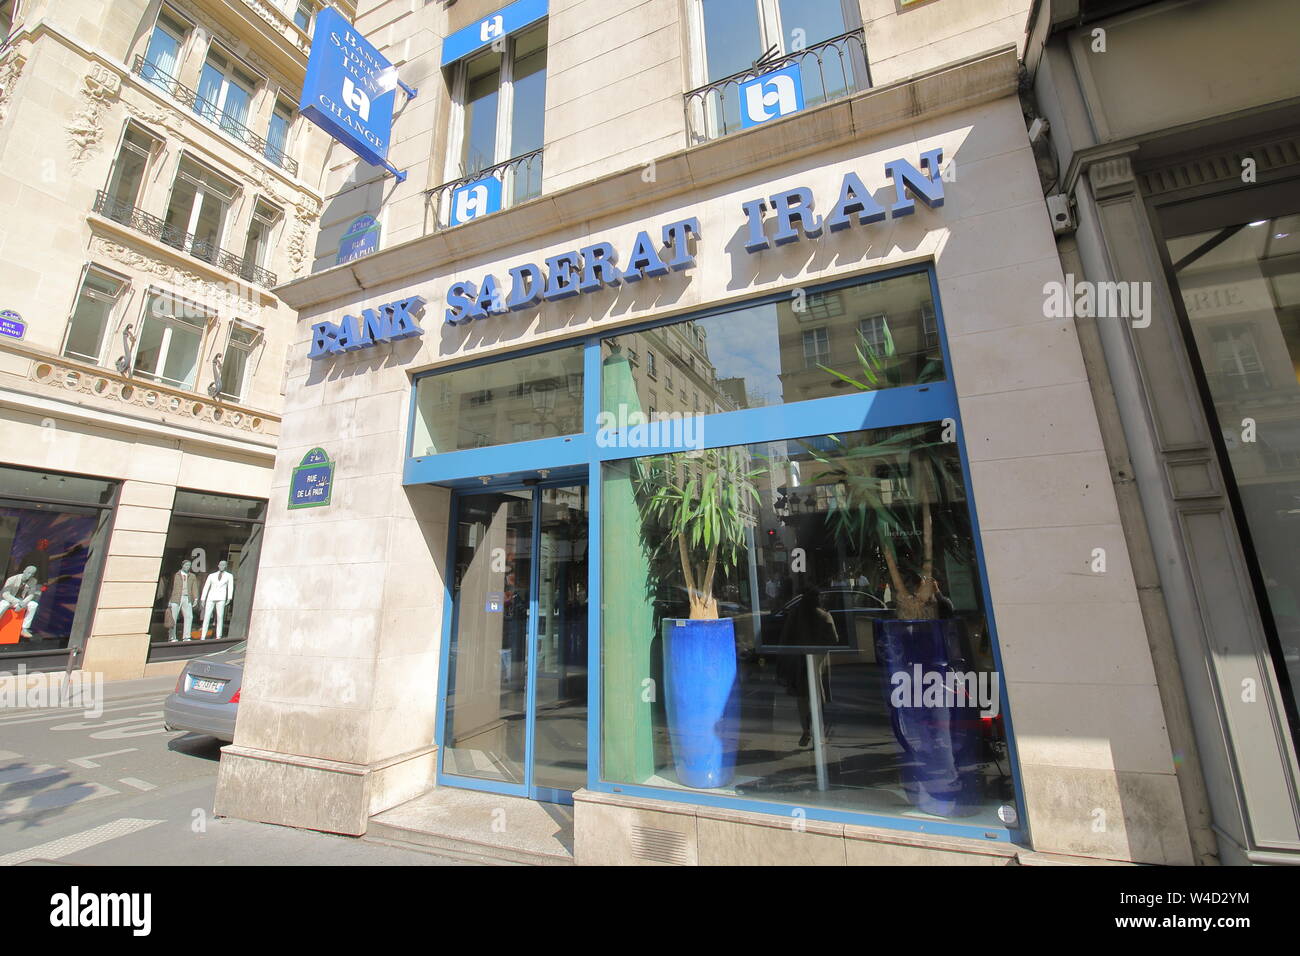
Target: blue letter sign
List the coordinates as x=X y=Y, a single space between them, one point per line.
x=12 y=324
x=313 y=480
x=771 y=96
x=350 y=89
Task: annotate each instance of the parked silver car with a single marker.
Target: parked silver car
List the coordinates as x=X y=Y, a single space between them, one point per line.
x=207 y=694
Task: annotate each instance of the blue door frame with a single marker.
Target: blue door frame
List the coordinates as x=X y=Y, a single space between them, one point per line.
x=582 y=454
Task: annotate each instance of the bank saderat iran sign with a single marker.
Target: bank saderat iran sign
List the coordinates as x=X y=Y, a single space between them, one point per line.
x=350 y=89
x=654 y=252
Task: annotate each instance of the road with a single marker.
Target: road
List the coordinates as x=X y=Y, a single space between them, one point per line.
x=118 y=789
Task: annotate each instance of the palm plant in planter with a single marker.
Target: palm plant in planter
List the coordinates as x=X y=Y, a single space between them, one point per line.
x=696 y=510
x=901 y=496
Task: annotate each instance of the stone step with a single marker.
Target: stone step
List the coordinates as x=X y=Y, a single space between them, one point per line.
x=479 y=827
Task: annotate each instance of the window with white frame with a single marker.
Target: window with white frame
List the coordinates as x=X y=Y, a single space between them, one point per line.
x=501 y=95
x=196 y=212
x=731 y=37
x=816 y=347
x=170 y=339
x=240 y=341
x=257 y=247
x=302 y=11
x=8 y=13
x=225 y=92
x=277 y=132
x=929 y=327
x=874 y=330
x=162 y=56
x=92 y=315
x=126 y=180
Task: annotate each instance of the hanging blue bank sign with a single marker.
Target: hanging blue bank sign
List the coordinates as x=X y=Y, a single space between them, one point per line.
x=350 y=88
x=481 y=33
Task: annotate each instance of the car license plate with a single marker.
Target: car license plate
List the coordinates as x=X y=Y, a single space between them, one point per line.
x=210 y=686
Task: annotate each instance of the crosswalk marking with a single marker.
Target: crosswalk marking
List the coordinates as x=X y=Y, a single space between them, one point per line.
x=89 y=762
x=65 y=846
x=9 y=755
x=137 y=783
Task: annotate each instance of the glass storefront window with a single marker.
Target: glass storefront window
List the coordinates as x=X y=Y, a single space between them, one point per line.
x=801 y=622
x=814 y=345
x=486 y=405
x=209 y=568
x=1240 y=286
x=53 y=530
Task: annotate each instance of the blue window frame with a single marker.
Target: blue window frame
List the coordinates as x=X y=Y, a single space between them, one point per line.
x=582 y=456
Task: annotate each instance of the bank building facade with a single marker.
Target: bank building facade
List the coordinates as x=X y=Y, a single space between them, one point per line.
x=680 y=464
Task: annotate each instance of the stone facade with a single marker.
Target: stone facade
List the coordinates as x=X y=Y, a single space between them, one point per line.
x=72 y=82
x=339 y=711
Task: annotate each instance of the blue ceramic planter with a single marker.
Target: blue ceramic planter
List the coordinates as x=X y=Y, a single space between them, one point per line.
x=702 y=699
x=941 y=744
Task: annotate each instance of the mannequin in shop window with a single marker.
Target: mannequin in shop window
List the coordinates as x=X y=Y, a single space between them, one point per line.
x=218 y=591
x=21 y=593
x=183 y=599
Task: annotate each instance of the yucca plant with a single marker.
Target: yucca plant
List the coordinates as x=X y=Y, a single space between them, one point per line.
x=700 y=505
x=887 y=486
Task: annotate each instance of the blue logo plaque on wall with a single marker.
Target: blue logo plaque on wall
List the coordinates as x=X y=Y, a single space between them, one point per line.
x=475 y=199
x=313 y=481
x=11 y=324
x=771 y=96
x=361 y=239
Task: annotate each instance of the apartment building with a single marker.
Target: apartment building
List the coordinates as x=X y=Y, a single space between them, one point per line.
x=156 y=185
x=895 y=601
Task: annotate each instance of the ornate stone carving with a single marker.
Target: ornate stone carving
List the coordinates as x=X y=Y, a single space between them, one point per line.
x=1112 y=177
x=226 y=299
x=308 y=210
x=162 y=118
x=10 y=70
x=173 y=406
x=99 y=90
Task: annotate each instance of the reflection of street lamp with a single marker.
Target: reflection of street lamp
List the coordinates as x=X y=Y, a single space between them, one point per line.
x=543 y=395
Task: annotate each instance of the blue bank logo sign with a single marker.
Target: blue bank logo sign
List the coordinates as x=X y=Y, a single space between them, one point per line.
x=390 y=322
x=361 y=239
x=350 y=88
x=313 y=481
x=483 y=32
x=475 y=199
x=12 y=325
x=771 y=96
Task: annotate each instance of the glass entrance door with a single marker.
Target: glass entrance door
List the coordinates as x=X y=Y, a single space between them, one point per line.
x=516 y=697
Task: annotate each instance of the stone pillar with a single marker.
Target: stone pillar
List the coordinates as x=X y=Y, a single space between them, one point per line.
x=340 y=695
x=1216 y=626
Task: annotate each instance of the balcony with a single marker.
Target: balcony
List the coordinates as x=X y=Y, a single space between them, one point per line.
x=152 y=226
x=517 y=180
x=828 y=71
x=209 y=111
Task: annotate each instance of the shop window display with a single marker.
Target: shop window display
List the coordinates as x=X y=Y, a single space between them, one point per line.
x=801 y=622
x=52 y=530
x=209 y=567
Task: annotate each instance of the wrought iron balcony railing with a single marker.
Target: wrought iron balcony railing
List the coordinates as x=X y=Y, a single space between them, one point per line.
x=828 y=70
x=154 y=75
x=519 y=179
x=199 y=248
